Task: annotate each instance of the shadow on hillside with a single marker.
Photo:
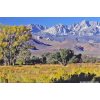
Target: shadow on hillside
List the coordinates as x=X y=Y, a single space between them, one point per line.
x=81 y=78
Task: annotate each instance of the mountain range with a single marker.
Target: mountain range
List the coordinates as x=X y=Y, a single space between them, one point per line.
x=82 y=37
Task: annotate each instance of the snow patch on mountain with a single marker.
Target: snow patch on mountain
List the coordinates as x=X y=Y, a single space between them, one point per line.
x=84 y=31
x=57 y=29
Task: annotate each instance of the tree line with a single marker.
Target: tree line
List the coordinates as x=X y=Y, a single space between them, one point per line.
x=63 y=57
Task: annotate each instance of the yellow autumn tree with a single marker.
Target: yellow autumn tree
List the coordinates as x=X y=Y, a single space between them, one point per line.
x=12 y=40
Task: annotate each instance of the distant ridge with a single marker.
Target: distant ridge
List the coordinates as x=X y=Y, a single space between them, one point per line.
x=82 y=37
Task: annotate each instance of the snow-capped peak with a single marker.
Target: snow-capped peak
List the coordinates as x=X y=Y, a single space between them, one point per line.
x=36 y=27
x=57 y=29
x=83 y=28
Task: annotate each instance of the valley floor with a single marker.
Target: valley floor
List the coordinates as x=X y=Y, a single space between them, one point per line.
x=72 y=73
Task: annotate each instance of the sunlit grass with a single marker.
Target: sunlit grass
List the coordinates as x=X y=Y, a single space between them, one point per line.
x=45 y=73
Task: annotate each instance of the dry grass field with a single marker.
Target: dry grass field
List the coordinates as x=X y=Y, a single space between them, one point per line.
x=72 y=73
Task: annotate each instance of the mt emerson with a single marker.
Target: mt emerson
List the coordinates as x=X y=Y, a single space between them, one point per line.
x=82 y=37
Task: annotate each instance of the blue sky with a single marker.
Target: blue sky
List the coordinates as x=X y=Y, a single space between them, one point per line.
x=49 y=21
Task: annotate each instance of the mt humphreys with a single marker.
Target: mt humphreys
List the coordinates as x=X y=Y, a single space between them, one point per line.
x=82 y=37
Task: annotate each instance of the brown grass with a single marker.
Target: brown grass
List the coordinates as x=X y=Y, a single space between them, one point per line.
x=45 y=73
